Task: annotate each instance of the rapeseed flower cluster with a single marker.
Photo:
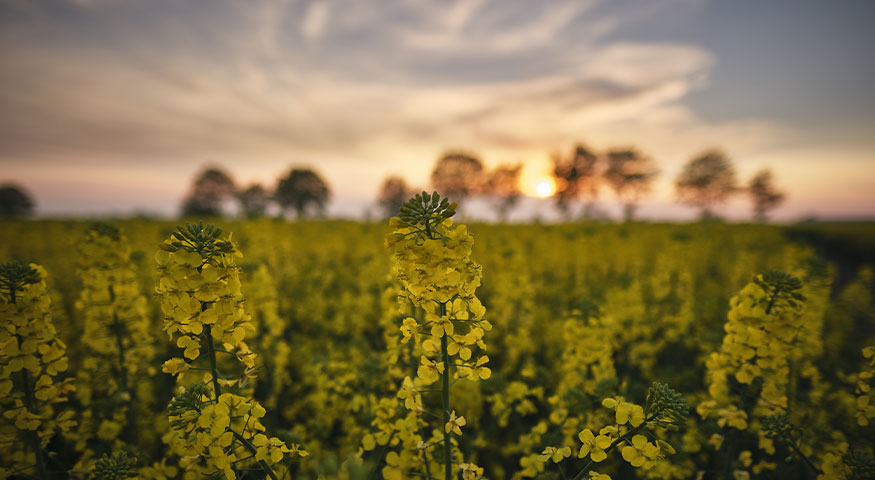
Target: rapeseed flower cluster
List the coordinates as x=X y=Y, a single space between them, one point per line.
x=432 y=262
x=631 y=431
x=269 y=330
x=517 y=398
x=213 y=432
x=764 y=335
x=584 y=370
x=865 y=392
x=119 y=344
x=772 y=341
x=32 y=358
x=223 y=435
x=202 y=300
x=586 y=362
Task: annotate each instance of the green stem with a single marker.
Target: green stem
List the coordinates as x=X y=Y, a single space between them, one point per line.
x=729 y=456
x=559 y=466
x=803 y=457
x=414 y=362
x=33 y=435
x=448 y=444
x=772 y=301
x=425 y=457
x=211 y=352
x=251 y=448
x=749 y=395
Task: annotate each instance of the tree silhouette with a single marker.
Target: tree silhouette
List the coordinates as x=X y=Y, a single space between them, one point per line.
x=253 y=201
x=15 y=202
x=393 y=193
x=300 y=190
x=503 y=183
x=764 y=194
x=629 y=173
x=210 y=189
x=457 y=175
x=576 y=177
x=706 y=181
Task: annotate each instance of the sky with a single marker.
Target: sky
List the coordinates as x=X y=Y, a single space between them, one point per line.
x=110 y=107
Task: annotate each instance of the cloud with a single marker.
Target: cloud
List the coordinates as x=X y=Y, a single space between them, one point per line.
x=315 y=20
x=371 y=88
x=638 y=65
x=115 y=102
x=521 y=27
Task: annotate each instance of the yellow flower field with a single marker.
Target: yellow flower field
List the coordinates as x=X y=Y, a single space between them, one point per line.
x=425 y=347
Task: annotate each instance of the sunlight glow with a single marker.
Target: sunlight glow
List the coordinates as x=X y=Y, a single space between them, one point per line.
x=545 y=188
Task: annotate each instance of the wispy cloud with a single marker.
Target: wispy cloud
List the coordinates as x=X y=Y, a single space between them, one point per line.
x=510 y=29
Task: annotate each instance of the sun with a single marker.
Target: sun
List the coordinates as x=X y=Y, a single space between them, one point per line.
x=545 y=188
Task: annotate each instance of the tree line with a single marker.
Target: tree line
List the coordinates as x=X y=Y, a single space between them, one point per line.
x=706 y=181
x=301 y=191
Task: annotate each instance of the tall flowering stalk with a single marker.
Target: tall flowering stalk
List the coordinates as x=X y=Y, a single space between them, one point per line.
x=31 y=359
x=432 y=262
x=770 y=346
x=215 y=428
x=118 y=340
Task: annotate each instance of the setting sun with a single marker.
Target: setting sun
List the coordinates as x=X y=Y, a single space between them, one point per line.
x=545 y=188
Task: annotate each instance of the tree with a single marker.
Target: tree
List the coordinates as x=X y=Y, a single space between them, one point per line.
x=254 y=201
x=210 y=189
x=706 y=181
x=629 y=173
x=576 y=177
x=393 y=193
x=15 y=202
x=300 y=190
x=764 y=194
x=504 y=184
x=457 y=175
